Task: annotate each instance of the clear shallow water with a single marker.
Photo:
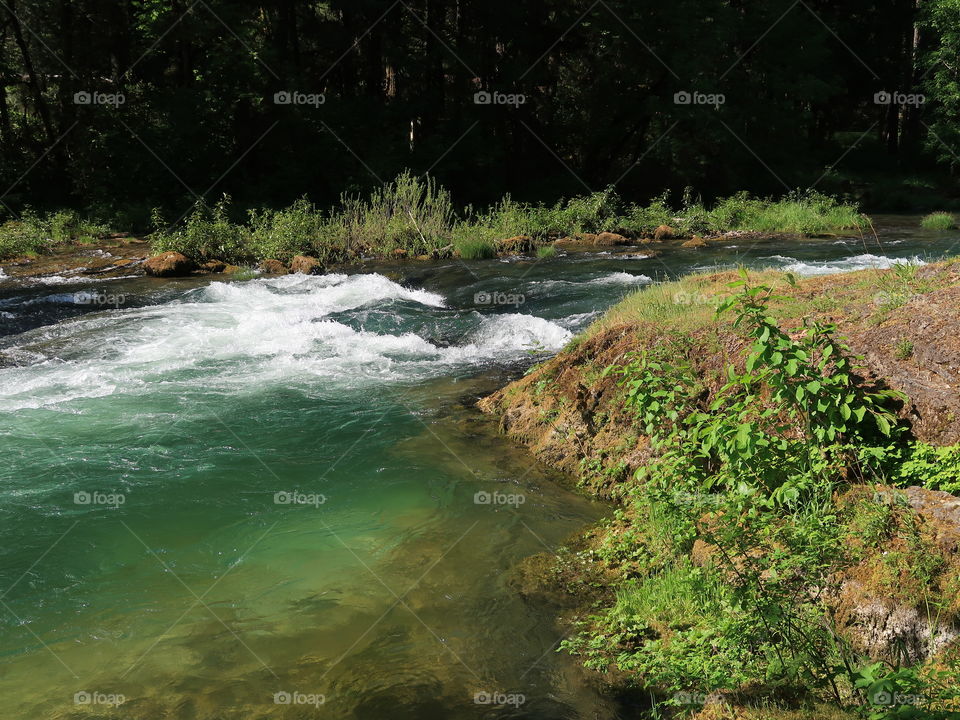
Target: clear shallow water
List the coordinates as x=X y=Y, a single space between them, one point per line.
x=144 y=551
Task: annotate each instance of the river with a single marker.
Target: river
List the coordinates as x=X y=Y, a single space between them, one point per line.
x=272 y=497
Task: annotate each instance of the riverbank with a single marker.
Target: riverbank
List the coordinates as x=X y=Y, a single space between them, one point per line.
x=415 y=218
x=767 y=554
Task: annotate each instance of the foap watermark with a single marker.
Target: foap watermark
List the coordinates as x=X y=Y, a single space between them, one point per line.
x=885 y=698
x=83 y=97
x=688 y=499
x=88 y=297
x=293 y=97
x=98 y=698
x=897 y=299
x=884 y=97
x=686 y=97
x=99 y=498
x=499 y=298
x=485 y=697
x=693 y=698
x=498 y=98
x=298 y=698
x=689 y=298
x=498 y=498
x=298 y=498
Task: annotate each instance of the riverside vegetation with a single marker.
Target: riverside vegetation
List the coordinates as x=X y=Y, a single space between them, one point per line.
x=759 y=468
x=415 y=217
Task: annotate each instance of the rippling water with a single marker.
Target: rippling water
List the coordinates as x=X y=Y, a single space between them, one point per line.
x=272 y=497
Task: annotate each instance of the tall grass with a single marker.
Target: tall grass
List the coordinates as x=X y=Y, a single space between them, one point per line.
x=939 y=221
x=414 y=216
x=33 y=234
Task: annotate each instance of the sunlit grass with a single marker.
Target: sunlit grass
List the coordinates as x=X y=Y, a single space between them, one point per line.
x=939 y=221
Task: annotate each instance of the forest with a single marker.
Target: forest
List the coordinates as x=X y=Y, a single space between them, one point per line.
x=119 y=107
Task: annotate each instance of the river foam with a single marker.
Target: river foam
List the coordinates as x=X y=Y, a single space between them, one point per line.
x=307 y=332
x=832 y=267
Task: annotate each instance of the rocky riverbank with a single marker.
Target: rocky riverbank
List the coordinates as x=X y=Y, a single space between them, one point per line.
x=890 y=594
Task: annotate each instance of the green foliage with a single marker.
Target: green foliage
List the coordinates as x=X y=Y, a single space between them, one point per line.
x=928 y=466
x=474 y=248
x=939 y=221
x=283 y=234
x=33 y=234
x=904 y=350
x=941 y=21
x=206 y=233
x=546 y=251
x=749 y=470
x=906 y=693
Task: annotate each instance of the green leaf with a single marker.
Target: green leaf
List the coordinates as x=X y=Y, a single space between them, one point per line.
x=743 y=436
x=883 y=423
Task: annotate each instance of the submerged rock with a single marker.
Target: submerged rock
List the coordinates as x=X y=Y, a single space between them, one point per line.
x=168 y=264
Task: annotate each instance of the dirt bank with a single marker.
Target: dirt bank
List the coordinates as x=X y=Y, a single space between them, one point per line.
x=895 y=598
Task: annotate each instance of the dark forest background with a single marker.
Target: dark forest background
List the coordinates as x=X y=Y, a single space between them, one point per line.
x=799 y=78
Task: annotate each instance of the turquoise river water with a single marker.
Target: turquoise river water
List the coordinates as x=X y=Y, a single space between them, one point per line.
x=273 y=498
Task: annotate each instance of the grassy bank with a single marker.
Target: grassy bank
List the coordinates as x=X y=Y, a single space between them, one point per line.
x=34 y=234
x=415 y=217
x=764 y=532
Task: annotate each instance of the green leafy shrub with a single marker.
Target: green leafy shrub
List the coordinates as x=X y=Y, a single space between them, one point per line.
x=416 y=216
x=296 y=230
x=936 y=468
x=939 y=221
x=206 y=233
x=33 y=234
x=749 y=471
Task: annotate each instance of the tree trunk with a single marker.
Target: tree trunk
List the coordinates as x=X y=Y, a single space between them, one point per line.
x=39 y=103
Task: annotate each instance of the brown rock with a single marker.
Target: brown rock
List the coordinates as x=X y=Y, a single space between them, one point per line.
x=306 y=265
x=664 y=232
x=695 y=242
x=273 y=267
x=931 y=375
x=168 y=264
x=214 y=266
x=515 y=245
x=400 y=253
x=230 y=269
x=608 y=238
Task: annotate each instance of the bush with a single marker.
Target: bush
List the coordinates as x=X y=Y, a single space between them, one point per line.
x=296 y=230
x=33 y=234
x=939 y=221
x=936 y=468
x=475 y=248
x=207 y=233
x=417 y=216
